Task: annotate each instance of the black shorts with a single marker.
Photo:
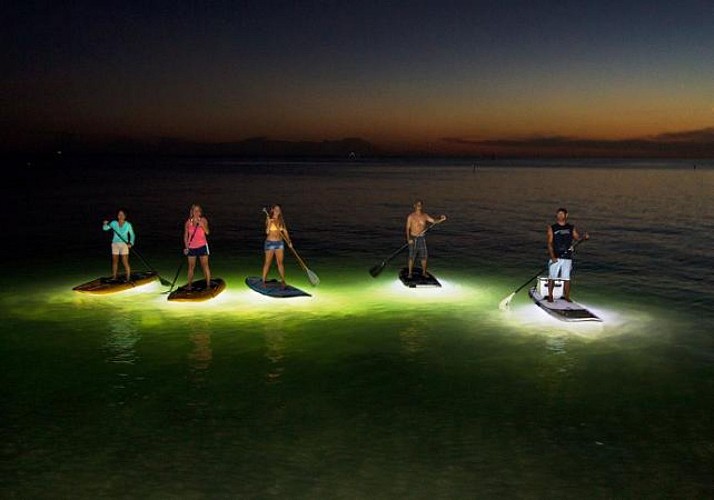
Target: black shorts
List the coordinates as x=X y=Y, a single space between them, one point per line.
x=198 y=252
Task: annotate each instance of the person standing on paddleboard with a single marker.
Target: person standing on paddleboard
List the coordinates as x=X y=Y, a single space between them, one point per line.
x=561 y=237
x=196 y=245
x=122 y=241
x=416 y=224
x=275 y=234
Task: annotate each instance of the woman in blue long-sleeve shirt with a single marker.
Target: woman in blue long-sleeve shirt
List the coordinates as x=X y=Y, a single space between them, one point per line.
x=122 y=241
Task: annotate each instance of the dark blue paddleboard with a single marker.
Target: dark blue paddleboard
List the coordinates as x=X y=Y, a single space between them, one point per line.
x=274 y=288
x=418 y=280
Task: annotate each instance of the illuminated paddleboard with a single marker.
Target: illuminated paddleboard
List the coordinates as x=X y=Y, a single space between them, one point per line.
x=103 y=286
x=560 y=308
x=199 y=291
x=418 y=280
x=274 y=288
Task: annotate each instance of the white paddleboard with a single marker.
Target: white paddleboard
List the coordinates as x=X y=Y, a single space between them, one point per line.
x=560 y=308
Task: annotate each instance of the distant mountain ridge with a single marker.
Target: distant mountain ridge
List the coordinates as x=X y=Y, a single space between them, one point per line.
x=251 y=147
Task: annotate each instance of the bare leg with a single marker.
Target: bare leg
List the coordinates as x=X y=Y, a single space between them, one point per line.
x=125 y=262
x=206 y=270
x=279 y=254
x=266 y=266
x=423 y=268
x=551 y=283
x=191 y=267
x=115 y=265
x=411 y=266
x=566 y=290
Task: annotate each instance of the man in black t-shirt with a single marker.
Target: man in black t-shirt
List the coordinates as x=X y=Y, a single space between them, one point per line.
x=561 y=236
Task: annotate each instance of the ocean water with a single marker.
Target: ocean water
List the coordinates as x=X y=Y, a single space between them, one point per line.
x=365 y=389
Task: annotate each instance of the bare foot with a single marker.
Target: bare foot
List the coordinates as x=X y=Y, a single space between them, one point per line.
x=549 y=299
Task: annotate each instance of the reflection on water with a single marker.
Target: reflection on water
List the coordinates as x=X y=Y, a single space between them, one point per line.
x=120 y=345
x=413 y=337
x=274 y=335
x=199 y=363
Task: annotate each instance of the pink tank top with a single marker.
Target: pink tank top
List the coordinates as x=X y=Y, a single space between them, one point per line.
x=199 y=238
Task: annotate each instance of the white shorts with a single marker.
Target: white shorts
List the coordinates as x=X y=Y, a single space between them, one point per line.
x=560 y=269
x=120 y=249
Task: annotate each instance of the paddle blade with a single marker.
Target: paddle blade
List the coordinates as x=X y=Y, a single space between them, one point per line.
x=375 y=270
x=505 y=304
x=314 y=280
x=164 y=282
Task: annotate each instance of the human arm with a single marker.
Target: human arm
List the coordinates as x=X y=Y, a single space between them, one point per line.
x=203 y=222
x=286 y=235
x=131 y=236
x=551 y=250
x=106 y=226
x=408 y=229
x=432 y=220
x=577 y=237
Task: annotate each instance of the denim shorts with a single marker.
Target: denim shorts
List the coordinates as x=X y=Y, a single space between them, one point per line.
x=273 y=245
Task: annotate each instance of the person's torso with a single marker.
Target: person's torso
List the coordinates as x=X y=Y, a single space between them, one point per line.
x=417 y=224
x=562 y=240
x=274 y=231
x=121 y=232
x=197 y=236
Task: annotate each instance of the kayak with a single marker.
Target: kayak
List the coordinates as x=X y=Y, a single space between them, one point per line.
x=198 y=292
x=560 y=308
x=107 y=285
x=418 y=280
x=274 y=288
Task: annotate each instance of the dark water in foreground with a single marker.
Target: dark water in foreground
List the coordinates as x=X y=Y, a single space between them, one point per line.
x=367 y=389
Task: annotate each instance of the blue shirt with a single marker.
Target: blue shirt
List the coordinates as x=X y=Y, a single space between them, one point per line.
x=122 y=234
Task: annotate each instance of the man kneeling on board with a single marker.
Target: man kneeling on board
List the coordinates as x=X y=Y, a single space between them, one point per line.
x=560 y=248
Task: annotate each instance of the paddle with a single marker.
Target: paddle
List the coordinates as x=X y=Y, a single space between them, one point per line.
x=131 y=248
x=378 y=268
x=506 y=303
x=178 y=271
x=314 y=279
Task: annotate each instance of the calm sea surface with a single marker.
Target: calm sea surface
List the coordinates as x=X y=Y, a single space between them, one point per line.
x=367 y=389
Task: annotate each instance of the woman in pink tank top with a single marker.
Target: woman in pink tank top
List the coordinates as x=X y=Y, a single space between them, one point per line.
x=196 y=245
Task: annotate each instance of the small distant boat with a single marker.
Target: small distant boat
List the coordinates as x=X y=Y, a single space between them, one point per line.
x=418 y=280
x=560 y=308
x=274 y=288
x=198 y=292
x=108 y=285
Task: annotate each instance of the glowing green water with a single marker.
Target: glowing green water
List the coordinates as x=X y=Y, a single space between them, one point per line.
x=366 y=389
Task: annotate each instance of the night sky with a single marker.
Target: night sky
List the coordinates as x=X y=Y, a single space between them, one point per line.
x=440 y=76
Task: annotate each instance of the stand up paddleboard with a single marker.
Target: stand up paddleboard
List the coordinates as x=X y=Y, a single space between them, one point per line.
x=274 y=288
x=104 y=286
x=198 y=292
x=417 y=280
x=559 y=308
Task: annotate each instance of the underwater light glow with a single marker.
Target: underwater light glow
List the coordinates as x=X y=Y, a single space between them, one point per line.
x=532 y=318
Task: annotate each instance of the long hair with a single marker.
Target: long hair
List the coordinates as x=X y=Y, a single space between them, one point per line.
x=280 y=220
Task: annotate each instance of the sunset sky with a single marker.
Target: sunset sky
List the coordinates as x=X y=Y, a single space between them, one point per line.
x=445 y=76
